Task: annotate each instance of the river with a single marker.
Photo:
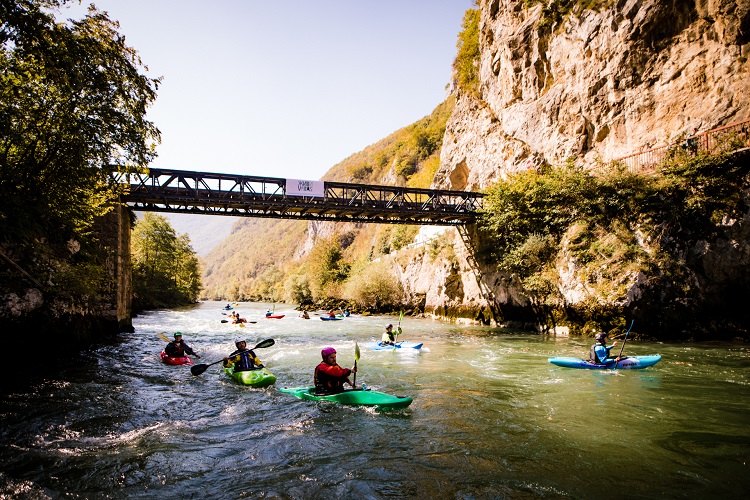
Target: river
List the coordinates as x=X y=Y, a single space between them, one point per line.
x=491 y=418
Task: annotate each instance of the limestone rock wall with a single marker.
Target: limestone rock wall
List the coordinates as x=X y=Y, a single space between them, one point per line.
x=594 y=85
x=598 y=85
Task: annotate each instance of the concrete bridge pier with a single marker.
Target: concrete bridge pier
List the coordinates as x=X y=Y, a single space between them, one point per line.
x=114 y=235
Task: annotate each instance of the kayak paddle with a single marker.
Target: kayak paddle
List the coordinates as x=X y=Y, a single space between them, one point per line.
x=623 y=343
x=225 y=321
x=398 y=331
x=356 y=358
x=164 y=337
x=198 y=369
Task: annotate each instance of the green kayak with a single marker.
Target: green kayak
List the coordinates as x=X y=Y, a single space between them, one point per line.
x=352 y=397
x=253 y=378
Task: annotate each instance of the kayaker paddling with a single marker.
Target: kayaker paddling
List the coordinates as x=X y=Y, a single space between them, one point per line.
x=329 y=377
x=243 y=359
x=599 y=353
x=178 y=348
x=389 y=336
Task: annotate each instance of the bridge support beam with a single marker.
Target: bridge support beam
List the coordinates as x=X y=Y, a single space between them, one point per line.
x=114 y=234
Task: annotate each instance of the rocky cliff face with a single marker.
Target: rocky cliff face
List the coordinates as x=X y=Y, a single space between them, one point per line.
x=596 y=85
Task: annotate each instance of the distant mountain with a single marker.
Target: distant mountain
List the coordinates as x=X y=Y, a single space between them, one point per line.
x=204 y=231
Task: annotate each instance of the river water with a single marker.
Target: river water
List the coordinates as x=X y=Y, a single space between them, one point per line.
x=491 y=418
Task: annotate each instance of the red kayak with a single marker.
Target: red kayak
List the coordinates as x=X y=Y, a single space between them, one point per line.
x=275 y=316
x=170 y=360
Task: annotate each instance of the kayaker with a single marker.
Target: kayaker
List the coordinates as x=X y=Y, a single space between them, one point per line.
x=389 y=336
x=178 y=348
x=243 y=359
x=599 y=353
x=304 y=315
x=331 y=314
x=268 y=313
x=329 y=377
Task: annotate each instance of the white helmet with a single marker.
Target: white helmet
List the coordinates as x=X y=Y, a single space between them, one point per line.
x=237 y=340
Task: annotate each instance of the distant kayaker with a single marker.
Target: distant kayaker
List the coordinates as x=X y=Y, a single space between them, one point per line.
x=599 y=352
x=178 y=348
x=268 y=313
x=389 y=336
x=331 y=314
x=243 y=359
x=329 y=377
x=304 y=315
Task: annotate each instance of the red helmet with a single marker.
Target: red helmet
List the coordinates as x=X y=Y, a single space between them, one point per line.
x=326 y=351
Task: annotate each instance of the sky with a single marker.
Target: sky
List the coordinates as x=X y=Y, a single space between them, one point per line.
x=286 y=88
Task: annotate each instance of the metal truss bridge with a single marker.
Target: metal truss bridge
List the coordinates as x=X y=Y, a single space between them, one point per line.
x=179 y=191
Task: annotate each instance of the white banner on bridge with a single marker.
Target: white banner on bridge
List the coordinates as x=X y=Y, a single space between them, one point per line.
x=296 y=187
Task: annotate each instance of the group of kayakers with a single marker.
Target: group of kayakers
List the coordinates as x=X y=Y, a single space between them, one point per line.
x=329 y=377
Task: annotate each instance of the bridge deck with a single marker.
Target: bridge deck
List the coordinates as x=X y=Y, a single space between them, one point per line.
x=179 y=191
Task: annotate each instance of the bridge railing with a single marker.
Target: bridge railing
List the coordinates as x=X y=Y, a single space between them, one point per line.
x=649 y=160
x=226 y=194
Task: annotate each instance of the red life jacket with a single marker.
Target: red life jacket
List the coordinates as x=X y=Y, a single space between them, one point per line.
x=329 y=379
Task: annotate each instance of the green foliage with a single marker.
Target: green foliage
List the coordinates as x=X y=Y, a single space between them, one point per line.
x=402 y=236
x=327 y=267
x=530 y=256
x=165 y=268
x=530 y=218
x=409 y=151
x=466 y=64
x=703 y=189
x=297 y=288
x=374 y=288
x=72 y=99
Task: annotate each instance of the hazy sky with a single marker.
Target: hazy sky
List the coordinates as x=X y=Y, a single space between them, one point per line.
x=286 y=88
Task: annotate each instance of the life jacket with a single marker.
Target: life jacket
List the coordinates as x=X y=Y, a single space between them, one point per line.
x=175 y=350
x=593 y=357
x=244 y=360
x=329 y=379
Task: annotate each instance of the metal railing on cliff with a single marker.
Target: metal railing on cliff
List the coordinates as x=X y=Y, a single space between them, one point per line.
x=649 y=160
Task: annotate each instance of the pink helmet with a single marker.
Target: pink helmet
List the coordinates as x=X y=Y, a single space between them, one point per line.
x=326 y=351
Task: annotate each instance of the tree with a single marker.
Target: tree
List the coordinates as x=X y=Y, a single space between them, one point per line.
x=327 y=267
x=72 y=100
x=165 y=267
x=466 y=64
x=375 y=288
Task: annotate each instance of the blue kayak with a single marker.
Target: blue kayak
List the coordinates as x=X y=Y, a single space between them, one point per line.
x=329 y=318
x=379 y=346
x=630 y=363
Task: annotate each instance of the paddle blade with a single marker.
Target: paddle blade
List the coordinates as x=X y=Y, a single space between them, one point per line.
x=198 y=369
x=164 y=337
x=242 y=325
x=356 y=351
x=265 y=343
x=225 y=321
